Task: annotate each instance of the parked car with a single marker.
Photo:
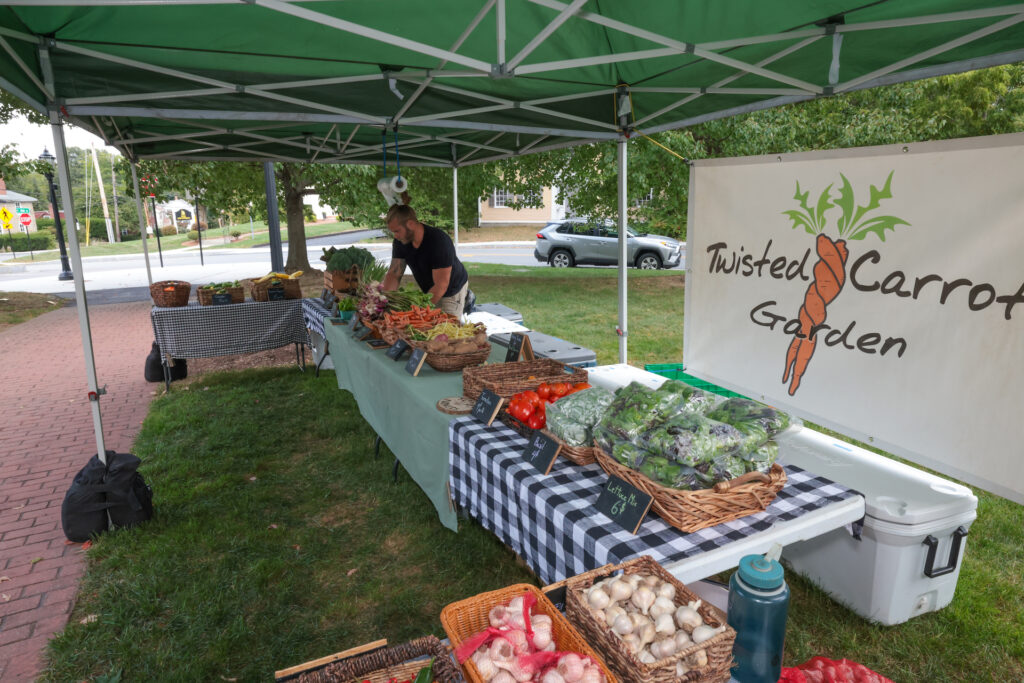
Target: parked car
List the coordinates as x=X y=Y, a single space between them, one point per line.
x=568 y=243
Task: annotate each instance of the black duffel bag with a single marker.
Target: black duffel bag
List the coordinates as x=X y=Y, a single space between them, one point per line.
x=154 y=371
x=117 y=488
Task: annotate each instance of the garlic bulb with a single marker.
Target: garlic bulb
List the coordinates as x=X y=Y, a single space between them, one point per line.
x=570 y=667
x=485 y=666
x=501 y=650
x=623 y=625
x=667 y=590
x=498 y=616
x=681 y=669
x=598 y=599
x=541 y=621
x=652 y=580
x=662 y=605
x=503 y=677
x=643 y=597
x=683 y=640
x=664 y=625
x=698 y=659
x=688 y=617
x=633 y=579
x=663 y=648
x=541 y=638
x=592 y=674
x=550 y=647
x=705 y=632
x=646 y=633
x=620 y=590
x=552 y=676
x=612 y=613
x=638 y=620
x=519 y=640
x=599 y=616
x=632 y=642
x=647 y=658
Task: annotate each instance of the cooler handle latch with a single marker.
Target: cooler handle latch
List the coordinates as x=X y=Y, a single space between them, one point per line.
x=930 y=570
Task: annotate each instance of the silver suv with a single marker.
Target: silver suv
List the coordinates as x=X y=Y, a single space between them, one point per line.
x=578 y=242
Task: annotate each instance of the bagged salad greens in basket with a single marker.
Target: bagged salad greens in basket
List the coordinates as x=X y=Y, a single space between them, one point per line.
x=756 y=421
x=572 y=418
x=690 y=439
x=636 y=409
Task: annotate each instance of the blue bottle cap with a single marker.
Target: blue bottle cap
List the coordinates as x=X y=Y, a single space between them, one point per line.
x=758 y=571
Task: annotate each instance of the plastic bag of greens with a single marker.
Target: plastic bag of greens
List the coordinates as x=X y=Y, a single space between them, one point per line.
x=631 y=412
x=674 y=396
x=661 y=470
x=573 y=417
x=689 y=439
x=761 y=458
x=628 y=454
x=728 y=466
x=756 y=421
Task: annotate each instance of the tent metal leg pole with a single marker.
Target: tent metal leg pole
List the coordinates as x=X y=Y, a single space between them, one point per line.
x=623 y=265
x=273 y=220
x=142 y=220
x=455 y=205
x=76 y=266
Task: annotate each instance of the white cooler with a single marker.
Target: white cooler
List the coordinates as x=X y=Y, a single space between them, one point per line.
x=908 y=559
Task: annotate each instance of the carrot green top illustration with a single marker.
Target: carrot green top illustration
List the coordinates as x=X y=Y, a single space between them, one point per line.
x=855 y=223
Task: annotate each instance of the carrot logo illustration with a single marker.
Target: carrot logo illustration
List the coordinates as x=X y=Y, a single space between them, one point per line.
x=830 y=268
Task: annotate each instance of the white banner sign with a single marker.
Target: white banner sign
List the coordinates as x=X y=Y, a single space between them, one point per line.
x=878 y=291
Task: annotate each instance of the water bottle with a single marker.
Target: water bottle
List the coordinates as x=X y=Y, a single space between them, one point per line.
x=758 y=602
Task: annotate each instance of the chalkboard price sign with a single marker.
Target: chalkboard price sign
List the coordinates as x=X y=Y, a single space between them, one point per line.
x=415 y=363
x=542 y=451
x=275 y=293
x=221 y=299
x=624 y=503
x=519 y=346
x=396 y=350
x=377 y=344
x=487 y=406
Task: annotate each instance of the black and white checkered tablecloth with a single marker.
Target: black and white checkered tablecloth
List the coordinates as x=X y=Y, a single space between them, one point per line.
x=313 y=313
x=551 y=521
x=196 y=331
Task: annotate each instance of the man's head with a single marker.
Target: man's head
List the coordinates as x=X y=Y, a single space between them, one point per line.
x=401 y=221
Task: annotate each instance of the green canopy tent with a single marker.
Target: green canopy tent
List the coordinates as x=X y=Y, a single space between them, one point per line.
x=457 y=82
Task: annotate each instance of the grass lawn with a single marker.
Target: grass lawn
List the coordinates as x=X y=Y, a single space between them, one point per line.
x=279 y=538
x=17 y=307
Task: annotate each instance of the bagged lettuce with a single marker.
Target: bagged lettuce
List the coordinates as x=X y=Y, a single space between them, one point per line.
x=637 y=409
x=572 y=418
x=757 y=422
x=690 y=439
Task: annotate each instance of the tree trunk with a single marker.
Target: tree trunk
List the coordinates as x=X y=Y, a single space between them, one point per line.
x=293 y=187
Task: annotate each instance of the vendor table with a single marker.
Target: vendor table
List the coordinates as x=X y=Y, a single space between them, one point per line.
x=313 y=313
x=196 y=331
x=402 y=410
x=552 y=524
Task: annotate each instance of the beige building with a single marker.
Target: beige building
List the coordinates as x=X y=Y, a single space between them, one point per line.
x=18 y=204
x=496 y=210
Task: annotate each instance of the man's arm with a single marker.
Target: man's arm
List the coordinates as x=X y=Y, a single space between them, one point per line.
x=394 y=275
x=442 y=276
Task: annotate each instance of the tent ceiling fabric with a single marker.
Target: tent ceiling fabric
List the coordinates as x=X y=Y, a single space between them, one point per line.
x=461 y=82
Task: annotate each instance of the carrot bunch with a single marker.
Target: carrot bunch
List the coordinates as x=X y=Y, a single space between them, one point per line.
x=418 y=317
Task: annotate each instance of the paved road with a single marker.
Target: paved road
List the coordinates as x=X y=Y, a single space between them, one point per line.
x=111 y=279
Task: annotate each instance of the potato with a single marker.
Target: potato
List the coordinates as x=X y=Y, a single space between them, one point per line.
x=464 y=347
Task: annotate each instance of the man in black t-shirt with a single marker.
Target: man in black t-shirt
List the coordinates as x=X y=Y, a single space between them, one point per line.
x=430 y=255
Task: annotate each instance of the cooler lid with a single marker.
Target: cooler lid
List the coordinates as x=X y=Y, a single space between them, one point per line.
x=893 y=491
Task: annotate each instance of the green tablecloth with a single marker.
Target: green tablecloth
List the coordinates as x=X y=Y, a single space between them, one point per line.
x=402 y=409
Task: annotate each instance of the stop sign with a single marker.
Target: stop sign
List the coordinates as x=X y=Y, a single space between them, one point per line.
x=26 y=219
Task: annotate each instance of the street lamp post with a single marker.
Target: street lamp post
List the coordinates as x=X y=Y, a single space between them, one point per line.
x=65 y=267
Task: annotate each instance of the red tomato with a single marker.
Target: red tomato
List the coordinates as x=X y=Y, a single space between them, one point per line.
x=536 y=421
x=560 y=388
x=581 y=386
x=544 y=391
x=525 y=411
x=532 y=397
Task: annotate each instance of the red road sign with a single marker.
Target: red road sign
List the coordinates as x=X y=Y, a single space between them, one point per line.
x=26 y=219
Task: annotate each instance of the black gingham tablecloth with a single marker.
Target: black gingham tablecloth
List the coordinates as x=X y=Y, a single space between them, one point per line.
x=196 y=331
x=313 y=313
x=551 y=521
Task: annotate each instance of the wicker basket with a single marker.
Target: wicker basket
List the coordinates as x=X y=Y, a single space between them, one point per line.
x=507 y=379
x=623 y=662
x=691 y=511
x=205 y=295
x=515 y=425
x=401 y=661
x=258 y=290
x=453 y=362
x=170 y=293
x=346 y=281
x=466 y=618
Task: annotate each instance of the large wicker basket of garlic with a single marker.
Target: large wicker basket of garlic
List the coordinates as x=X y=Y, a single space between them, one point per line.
x=648 y=625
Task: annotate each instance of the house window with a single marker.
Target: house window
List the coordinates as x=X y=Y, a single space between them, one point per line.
x=645 y=199
x=532 y=197
x=501 y=198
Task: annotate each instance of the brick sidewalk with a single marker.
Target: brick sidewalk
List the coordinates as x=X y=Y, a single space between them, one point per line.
x=46 y=437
